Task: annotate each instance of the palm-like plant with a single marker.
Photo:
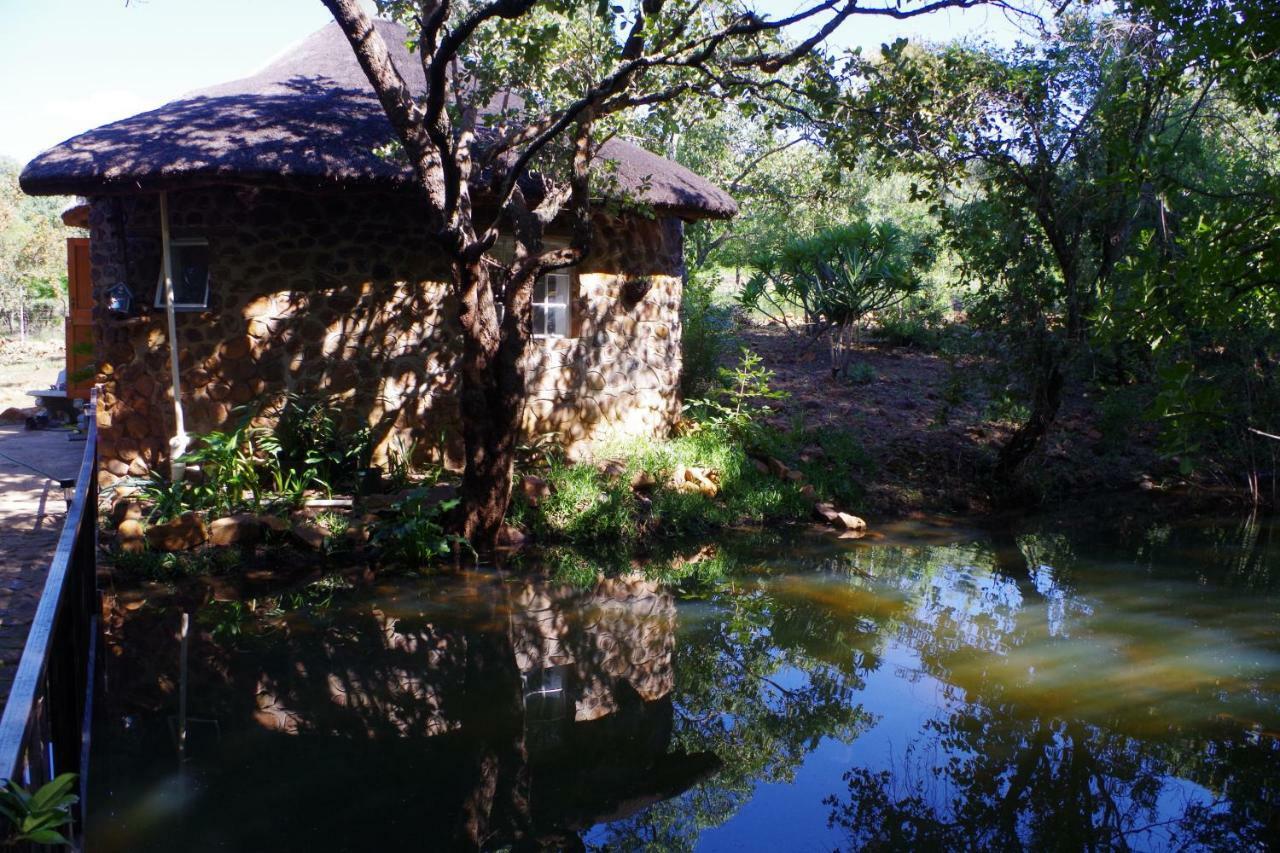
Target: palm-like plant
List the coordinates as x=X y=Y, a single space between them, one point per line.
x=837 y=279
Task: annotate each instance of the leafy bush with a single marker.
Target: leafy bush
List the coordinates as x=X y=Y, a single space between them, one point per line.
x=600 y=505
x=860 y=374
x=309 y=437
x=735 y=406
x=164 y=565
x=837 y=278
x=706 y=329
x=229 y=464
x=416 y=535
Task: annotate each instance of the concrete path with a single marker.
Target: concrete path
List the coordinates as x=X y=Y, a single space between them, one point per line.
x=31 y=512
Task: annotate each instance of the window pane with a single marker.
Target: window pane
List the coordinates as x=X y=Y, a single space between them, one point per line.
x=540 y=290
x=539 y=320
x=190 y=265
x=557 y=320
x=554 y=289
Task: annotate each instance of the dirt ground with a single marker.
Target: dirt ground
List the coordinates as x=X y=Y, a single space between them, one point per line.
x=26 y=366
x=927 y=424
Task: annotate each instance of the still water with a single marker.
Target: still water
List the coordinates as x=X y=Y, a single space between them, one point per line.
x=1091 y=683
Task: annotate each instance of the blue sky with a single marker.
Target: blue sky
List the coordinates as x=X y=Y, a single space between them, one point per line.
x=69 y=65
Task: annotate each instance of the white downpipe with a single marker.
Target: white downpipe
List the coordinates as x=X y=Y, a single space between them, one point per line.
x=177 y=444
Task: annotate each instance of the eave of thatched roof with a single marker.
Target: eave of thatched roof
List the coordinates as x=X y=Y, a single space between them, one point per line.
x=311 y=120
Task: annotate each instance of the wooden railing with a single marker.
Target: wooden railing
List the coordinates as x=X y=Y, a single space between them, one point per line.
x=44 y=730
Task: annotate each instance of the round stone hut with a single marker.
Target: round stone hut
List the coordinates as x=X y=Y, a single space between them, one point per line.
x=300 y=266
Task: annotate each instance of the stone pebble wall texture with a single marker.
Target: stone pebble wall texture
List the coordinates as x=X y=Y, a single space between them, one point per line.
x=340 y=295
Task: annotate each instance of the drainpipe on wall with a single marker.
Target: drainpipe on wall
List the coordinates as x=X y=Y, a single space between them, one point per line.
x=177 y=444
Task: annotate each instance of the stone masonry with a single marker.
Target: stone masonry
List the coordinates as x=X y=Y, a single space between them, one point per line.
x=340 y=295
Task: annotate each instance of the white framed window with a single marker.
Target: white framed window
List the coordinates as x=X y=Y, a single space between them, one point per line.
x=552 y=298
x=552 y=295
x=189 y=260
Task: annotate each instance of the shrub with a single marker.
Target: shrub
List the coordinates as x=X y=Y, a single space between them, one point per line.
x=706 y=328
x=164 y=565
x=309 y=437
x=838 y=278
x=416 y=536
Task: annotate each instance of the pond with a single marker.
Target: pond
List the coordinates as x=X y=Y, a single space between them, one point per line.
x=1095 y=682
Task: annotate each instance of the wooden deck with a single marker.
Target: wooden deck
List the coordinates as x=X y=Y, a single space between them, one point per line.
x=32 y=509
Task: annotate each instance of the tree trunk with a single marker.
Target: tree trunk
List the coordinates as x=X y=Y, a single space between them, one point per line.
x=493 y=393
x=1044 y=409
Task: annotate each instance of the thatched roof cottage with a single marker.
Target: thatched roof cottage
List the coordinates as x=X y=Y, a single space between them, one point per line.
x=300 y=266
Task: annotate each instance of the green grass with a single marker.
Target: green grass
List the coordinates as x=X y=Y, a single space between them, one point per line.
x=162 y=565
x=588 y=507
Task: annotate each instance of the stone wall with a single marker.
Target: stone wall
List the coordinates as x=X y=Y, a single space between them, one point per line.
x=341 y=295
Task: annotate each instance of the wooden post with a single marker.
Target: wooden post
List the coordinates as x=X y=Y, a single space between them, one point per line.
x=177 y=444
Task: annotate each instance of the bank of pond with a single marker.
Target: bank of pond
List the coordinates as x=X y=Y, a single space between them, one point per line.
x=1092 y=681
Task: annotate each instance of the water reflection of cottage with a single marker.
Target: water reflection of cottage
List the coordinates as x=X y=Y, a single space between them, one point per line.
x=551 y=702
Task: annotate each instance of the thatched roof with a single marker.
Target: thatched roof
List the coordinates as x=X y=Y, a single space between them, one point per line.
x=309 y=118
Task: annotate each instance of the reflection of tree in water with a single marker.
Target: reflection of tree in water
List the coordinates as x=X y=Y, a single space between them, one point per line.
x=1054 y=785
x=757 y=686
x=526 y=712
x=1001 y=770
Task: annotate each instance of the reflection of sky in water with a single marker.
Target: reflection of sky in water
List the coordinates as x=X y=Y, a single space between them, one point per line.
x=1130 y=656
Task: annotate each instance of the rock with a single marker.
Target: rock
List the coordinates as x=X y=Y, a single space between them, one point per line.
x=180 y=534
x=357 y=534
x=131 y=536
x=310 y=535
x=760 y=465
x=510 y=536
x=812 y=452
x=851 y=534
x=689 y=479
x=643 y=481
x=826 y=512
x=794 y=476
x=13 y=415
x=808 y=492
x=274 y=523
x=849 y=522
x=241 y=529
x=125 y=509
x=777 y=468
x=613 y=467
x=304 y=515
x=535 y=489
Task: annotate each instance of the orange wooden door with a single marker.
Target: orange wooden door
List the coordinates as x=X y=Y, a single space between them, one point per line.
x=79 y=319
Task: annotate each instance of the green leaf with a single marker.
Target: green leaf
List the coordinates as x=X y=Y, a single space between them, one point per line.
x=47 y=836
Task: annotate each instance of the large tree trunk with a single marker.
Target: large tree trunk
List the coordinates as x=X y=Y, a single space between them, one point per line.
x=1047 y=398
x=493 y=394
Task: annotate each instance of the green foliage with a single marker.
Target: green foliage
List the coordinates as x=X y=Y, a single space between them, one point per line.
x=416 y=536
x=169 y=500
x=735 y=407
x=229 y=463
x=310 y=437
x=32 y=254
x=601 y=506
x=706 y=330
x=860 y=374
x=37 y=818
x=837 y=278
x=165 y=565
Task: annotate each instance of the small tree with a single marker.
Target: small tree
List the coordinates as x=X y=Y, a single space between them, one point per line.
x=838 y=279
